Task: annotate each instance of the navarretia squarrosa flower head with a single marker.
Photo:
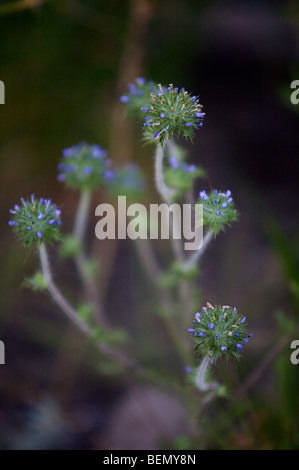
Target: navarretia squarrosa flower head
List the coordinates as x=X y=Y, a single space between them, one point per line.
x=83 y=166
x=36 y=220
x=218 y=210
x=219 y=331
x=172 y=112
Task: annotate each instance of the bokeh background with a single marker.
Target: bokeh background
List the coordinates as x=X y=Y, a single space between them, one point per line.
x=64 y=65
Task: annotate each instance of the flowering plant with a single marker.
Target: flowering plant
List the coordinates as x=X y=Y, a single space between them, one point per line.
x=168 y=113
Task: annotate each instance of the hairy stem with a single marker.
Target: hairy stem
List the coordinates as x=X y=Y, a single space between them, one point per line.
x=82 y=215
x=166 y=194
x=90 y=287
x=151 y=266
x=164 y=191
x=56 y=294
x=71 y=313
x=200 y=379
x=192 y=260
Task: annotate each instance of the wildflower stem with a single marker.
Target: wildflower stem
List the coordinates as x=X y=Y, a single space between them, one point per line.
x=55 y=292
x=164 y=191
x=120 y=357
x=166 y=194
x=82 y=215
x=89 y=284
x=198 y=254
x=200 y=379
x=151 y=266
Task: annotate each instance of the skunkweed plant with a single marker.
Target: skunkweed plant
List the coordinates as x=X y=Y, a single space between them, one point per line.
x=169 y=113
x=165 y=114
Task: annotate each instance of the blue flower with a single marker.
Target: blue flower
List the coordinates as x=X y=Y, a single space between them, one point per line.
x=203 y=195
x=198 y=317
x=140 y=81
x=124 y=99
x=191 y=330
x=173 y=161
x=87 y=170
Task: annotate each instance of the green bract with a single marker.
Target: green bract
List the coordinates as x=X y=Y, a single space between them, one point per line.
x=219 y=331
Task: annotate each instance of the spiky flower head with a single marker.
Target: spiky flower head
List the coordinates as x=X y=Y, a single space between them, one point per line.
x=138 y=96
x=180 y=175
x=36 y=220
x=219 y=331
x=218 y=210
x=127 y=181
x=172 y=112
x=83 y=166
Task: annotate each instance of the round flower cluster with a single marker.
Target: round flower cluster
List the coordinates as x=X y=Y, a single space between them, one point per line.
x=172 y=112
x=180 y=175
x=138 y=96
x=219 y=331
x=36 y=220
x=84 y=166
x=127 y=181
x=218 y=210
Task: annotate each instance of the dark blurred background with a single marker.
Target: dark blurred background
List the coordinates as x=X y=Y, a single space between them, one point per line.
x=64 y=65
